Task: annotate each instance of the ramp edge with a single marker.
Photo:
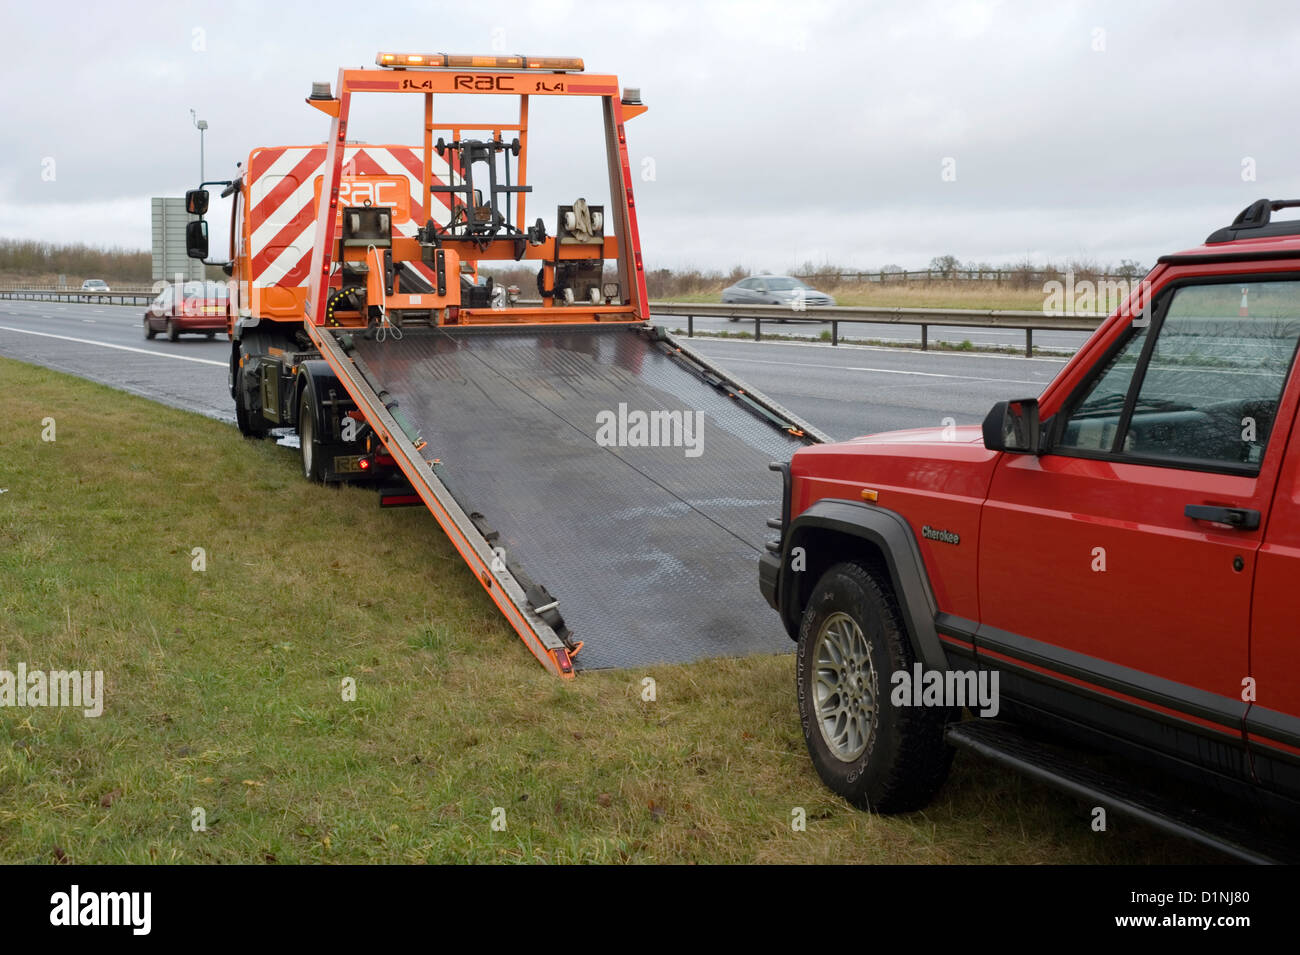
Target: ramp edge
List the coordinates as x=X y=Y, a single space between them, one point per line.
x=501 y=586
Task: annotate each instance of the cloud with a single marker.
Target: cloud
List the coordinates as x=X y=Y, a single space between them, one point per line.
x=89 y=222
x=776 y=132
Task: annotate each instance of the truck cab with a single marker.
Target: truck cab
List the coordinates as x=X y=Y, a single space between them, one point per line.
x=1121 y=551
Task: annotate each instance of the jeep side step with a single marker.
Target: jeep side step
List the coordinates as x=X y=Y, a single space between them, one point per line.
x=1009 y=745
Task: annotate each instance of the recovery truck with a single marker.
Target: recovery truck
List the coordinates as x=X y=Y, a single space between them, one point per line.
x=607 y=485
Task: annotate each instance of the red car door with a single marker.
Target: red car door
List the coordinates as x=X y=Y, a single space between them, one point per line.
x=1118 y=566
x=1273 y=722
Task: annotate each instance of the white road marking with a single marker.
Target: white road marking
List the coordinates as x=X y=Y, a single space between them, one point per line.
x=885 y=371
x=141 y=351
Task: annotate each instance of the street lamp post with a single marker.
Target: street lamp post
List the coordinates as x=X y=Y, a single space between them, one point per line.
x=201 y=125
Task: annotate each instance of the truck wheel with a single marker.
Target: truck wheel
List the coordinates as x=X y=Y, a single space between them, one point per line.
x=247 y=427
x=149 y=333
x=876 y=755
x=313 y=462
x=232 y=373
x=172 y=333
x=244 y=421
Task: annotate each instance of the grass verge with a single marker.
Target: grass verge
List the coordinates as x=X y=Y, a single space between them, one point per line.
x=223 y=688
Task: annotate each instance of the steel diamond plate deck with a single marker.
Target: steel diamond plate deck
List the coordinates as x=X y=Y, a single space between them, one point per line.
x=651 y=552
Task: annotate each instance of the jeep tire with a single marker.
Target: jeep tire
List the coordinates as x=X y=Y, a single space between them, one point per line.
x=876 y=755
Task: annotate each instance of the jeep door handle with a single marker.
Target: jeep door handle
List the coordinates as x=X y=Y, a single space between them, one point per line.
x=1242 y=518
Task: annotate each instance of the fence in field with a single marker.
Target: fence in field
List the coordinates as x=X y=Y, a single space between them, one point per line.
x=1018 y=276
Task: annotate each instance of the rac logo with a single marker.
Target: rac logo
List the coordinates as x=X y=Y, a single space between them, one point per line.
x=468 y=81
x=392 y=191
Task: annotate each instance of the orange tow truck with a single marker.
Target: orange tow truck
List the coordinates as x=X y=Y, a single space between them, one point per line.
x=607 y=485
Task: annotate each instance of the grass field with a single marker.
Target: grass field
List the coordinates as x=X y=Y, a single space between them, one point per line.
x=223 y=688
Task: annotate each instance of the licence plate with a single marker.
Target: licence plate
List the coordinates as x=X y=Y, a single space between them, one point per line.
x=348 y=464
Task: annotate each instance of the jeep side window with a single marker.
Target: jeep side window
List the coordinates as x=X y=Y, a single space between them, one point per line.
x=1209 y=388
x=1095 y=421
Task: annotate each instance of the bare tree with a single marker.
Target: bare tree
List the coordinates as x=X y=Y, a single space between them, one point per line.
x=946 y=265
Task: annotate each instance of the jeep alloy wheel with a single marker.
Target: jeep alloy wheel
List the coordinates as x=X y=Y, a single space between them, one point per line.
x=845 y=686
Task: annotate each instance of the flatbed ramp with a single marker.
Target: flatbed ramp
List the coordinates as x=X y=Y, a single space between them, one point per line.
x=649 y=550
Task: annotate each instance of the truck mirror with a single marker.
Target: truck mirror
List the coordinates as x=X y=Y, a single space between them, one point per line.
x=1012 y=426
x=196 y=202
x=196 y=239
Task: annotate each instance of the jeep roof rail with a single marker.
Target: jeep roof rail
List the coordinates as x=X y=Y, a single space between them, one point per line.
x=1253 y=222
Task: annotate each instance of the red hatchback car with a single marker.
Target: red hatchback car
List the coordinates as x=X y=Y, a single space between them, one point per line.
x=197 y=307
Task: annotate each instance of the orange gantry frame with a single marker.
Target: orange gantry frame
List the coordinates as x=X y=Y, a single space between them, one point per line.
x=523 y=77
x=333 y=251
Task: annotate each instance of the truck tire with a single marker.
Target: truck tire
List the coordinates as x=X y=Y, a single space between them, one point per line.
x=232 y=373
x=313 y=460
x=878 y=756
x=243 y=418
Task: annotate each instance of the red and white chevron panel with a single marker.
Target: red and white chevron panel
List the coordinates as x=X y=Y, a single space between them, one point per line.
x=285 y=182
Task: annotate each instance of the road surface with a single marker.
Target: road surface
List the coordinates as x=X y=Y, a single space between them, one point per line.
x=845 y=391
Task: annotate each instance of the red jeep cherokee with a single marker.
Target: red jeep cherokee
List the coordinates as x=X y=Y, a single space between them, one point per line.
x=1117 y=561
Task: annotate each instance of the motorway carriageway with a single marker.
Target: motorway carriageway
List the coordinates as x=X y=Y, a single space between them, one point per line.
x=845 y=391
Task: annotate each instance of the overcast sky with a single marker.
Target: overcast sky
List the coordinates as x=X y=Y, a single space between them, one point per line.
x=778 y=132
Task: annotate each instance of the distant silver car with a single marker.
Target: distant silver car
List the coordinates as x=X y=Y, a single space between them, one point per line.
x=95 y=285
x=774 y=290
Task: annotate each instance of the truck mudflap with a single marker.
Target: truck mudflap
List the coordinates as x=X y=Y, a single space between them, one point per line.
x=607 y=485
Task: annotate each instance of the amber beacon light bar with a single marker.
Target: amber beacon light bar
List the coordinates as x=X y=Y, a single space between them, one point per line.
x=441 y=61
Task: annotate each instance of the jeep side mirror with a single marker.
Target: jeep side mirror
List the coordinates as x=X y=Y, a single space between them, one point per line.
x=1012 y=426
x=196 y=202
x=196 y=239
